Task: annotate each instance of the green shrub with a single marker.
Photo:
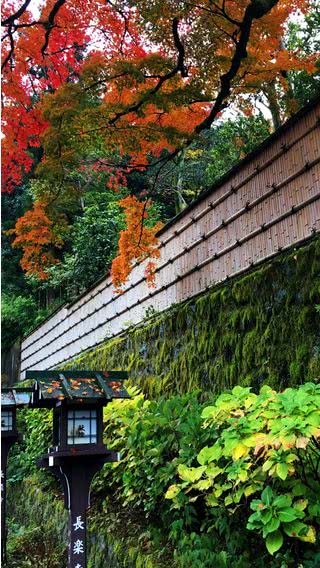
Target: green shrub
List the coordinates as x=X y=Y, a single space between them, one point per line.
x=238 y=473
x=153 y=438
x=265 y=457
x=17 y=316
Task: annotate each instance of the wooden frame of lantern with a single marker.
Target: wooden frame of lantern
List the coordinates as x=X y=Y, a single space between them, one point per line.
x=78 y=453
x=11 y=399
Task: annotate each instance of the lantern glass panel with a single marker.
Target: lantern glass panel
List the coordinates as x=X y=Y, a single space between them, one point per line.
x=6 y=420
x=82 y=427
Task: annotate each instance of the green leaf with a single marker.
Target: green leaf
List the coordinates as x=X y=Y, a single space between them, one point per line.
x=282 y=501
x=270 y=527
x=208 y=454
x=238 y=391
x=314 y=419
x=267 y=495
x=254 y=517
x=203 y=484
x=172 y=492
x=274 y=542
x=266 y=516
x=190 y=474
x=228 y=500
x=299 y=489
x=250 y=489
x=208 y=411
x=295 y=529
x=287 y=515
x=301 y=505
x=213 y=470
x=282 y=470
x=267 y=465
x=212 y=501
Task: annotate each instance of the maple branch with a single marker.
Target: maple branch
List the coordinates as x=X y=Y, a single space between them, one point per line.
x=8 y=21
x=102 y=81
x=254 y=11
x=50 y=24
x=126 y=23
x=222 y=12
x=180 y=48
x=11 y=51
x=179 y=68
x=12 y=27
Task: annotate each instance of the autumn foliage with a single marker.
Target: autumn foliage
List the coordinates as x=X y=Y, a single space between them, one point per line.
x=137 y=242
x=35 y=235
x=111 y=85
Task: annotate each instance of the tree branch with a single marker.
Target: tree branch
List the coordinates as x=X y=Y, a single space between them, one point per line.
x=254 y=11
x=179 y=68
x=8 y=21
x=50 y=24
x=11 y=50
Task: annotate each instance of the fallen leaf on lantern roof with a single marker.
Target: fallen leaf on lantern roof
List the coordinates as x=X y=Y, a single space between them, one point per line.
x=61 y=397
x=50 y=390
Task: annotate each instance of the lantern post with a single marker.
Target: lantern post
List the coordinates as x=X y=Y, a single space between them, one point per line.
x=78 y=453
x=11 y=398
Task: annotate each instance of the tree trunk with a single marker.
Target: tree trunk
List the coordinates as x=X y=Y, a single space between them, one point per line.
x=273 y=104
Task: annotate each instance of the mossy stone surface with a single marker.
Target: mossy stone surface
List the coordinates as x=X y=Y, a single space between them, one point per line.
x=260 y=328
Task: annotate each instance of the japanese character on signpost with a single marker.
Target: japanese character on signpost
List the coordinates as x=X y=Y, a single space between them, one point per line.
x=78 y=547
x=79 y=524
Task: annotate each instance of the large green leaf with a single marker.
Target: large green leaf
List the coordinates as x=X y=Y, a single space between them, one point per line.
x=190 y=474
x=282 y=470
x=287 y=515
x=274 y=542
x=208 y=454
x=267 y=495
x=282 y=501
x=208 y=412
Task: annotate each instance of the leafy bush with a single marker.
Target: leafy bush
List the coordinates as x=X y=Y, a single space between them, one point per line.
x=153 y=438
x=238 y=473
x=267 y=446
x=17 y=316
x=36 y=429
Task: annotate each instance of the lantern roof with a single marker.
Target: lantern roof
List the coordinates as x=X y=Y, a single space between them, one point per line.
x=72 y=387
x=12 y=397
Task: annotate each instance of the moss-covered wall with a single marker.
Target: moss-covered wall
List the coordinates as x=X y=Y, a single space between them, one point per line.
x=38 y=531
x=263 y=327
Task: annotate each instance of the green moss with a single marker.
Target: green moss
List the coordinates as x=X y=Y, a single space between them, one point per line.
x=37 y=525
x=38 y=532
x=260 y=328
